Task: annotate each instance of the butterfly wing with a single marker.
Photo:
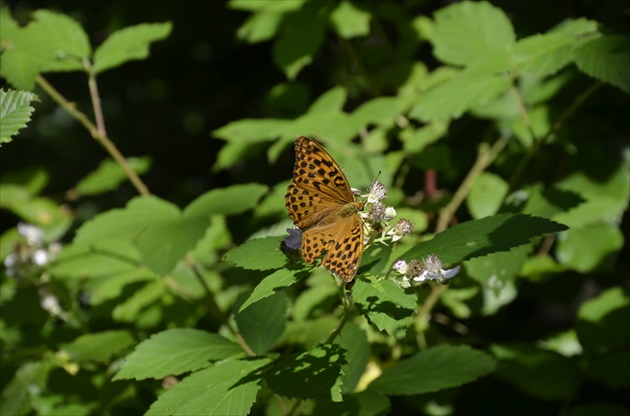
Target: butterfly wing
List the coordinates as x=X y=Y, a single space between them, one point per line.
x=319 y=186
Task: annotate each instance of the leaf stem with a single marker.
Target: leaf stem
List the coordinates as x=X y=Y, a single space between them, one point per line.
x=102 y=138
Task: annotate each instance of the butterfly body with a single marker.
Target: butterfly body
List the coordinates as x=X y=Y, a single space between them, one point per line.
x=321 y=203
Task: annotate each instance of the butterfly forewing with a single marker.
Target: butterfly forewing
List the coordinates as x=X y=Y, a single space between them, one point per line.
x=321 y=203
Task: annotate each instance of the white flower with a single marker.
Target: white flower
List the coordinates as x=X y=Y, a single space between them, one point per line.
x=377 y=192
x=34 y=235
x=433 y=271
x=401 y=266
x=40 y=257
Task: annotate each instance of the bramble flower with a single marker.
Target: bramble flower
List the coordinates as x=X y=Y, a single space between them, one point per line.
x=403 y=227
x=377 y=192
x=430 y=269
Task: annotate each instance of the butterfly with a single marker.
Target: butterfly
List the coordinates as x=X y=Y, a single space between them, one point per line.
x=321 y=203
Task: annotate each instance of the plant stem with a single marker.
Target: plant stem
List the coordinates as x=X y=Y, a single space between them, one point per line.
x=109 y=146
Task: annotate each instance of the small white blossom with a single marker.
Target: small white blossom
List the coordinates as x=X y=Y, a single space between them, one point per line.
x=401 y=266
x=10 y=263
x=403 y=227
x=40 y=257
x=390 y=213
x=433 y=271
x=34 y=235
x=377 y=192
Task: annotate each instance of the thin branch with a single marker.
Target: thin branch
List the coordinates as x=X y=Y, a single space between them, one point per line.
x=96 y=98
x=109 y=146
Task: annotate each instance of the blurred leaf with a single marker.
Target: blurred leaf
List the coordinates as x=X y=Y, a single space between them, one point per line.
x=364 y=404
x=79 y=261
x=17 y=394
x=384 y=304
x=576 y=250
x=415 y=140
x=266 y=5
x=606 y=58
x=599 y=409
x=36 y=210
x=227 y=388
x=100 y=346
x=497 y=269
x=109 y=175
x=262 y=323
x=600 y=319
x=548 y=202
x=271 y=284
x=15 y=112
x=314 y=374
x=486 y=195
x=455 y=300
x=612 y=370
x=292 y=51
x=258 y=254
x=331 y=101
x=543 y=54
x=542 y=374
x=468 y=31
x=477 y=238
x=251 y=130
x=438 y=368
x=129 y=43
x=175 y=351
x=350 y=21
x=565 y=343
x=66 y=38
x=130 y=309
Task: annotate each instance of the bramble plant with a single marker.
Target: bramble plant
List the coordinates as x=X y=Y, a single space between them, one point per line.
x=503 y=182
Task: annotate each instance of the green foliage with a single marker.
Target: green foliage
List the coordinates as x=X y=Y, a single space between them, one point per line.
x=499 y=136
x=15 y=112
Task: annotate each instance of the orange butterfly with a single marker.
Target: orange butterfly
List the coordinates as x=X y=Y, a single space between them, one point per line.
x=321 y=203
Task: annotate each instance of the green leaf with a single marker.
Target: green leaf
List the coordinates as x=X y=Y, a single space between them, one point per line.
x=258 y=254
x=227 y=388
x=331 y=101
x=468 y=31
x=417 y=139
x=314 y=374
x=260 y=27
x=175 y=351
x=130 y=43
x=80 y=261
x=350 y=21
x=149 y=294
x=292 y=51
x=18 y=394
x=247 y=131
x=271 y=284
x=486 y=195
x=99 y=346
x=266 y=5
x=611 y=370
x=365 y=404
x=600 y=320
x=478 y=238
x=66 y=38
x=385 y=304
x=262 y=323
x=539 y=373
x=353 y=339
x=15 y=112
x=437 y=368
x=576 y=250
x=380 y=111
x=109 y=175
x=497 y=269
x=543 y=54
x=232 y=200
x=459 y=94
x=606 y=58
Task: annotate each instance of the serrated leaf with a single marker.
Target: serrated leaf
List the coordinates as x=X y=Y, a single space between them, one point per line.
x=175 y=351
x=15 y=112
x=109 y=175
x=385 y=304
x=350 y=21
x=600 y=320
x=314 y=374
x=477 y=238
x=130 y=43
x=258 y=254
x=99 y=346
x=271 y=284
x=468 y=31
x=227 y=388
x=262 y=323
x=435 y=369
x=606 y=58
